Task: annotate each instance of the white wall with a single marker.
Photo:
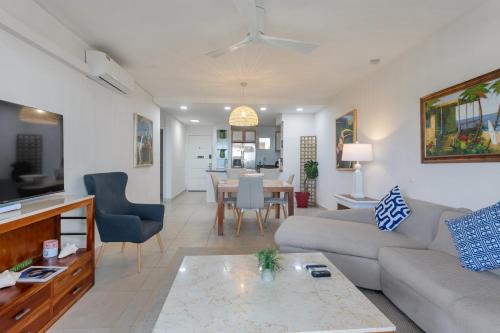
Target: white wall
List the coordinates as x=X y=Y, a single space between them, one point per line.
x=295 y=126
x=174 y=135
x=98 y=123
x=388 y=117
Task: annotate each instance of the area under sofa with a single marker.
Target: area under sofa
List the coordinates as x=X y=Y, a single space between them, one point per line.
x=416 y=266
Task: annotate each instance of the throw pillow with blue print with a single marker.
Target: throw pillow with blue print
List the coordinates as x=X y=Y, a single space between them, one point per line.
x=477 y=238
x=391 y=210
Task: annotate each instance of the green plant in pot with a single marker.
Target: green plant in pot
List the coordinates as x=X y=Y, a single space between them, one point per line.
x=311 y=171
x=269 y=263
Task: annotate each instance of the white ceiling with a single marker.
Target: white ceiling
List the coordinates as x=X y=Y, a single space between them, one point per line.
x=162 y=44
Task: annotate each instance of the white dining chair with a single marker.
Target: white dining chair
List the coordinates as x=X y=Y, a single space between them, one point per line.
x=270 y=173
x=282 y=201
x=228 y=200
x=250 y=197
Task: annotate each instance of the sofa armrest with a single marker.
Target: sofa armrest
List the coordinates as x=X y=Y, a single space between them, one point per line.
x=154 y=212
x=361 y=215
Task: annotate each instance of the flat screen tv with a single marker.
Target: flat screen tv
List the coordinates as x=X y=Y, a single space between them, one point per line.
x=31 y=152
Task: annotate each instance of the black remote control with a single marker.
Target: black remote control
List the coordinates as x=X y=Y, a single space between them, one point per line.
x=318 y=274
x=311 y=266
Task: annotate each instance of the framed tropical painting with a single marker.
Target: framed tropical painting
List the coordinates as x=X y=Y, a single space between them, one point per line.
x=462 y=123
x=345 y=132
x=143 y=141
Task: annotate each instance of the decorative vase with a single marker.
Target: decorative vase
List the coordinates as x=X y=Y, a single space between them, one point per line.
x=222 y=153
x=267 y=275
x=302 y=199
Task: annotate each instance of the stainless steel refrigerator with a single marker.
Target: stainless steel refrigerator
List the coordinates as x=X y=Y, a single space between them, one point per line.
x=244 y=152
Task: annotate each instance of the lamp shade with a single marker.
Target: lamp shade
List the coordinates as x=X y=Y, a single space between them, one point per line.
x=358 y=152
x=243 y=116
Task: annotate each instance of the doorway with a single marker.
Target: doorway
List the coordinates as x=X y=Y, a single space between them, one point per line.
x=199 y=149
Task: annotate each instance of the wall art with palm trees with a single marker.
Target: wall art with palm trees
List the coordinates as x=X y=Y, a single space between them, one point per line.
x=462 y=123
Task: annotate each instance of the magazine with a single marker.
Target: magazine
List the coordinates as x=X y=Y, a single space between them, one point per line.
x=40 y=273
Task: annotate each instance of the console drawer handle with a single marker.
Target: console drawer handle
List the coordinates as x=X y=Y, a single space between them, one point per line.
x=22 y=313
x=75 y=273
x=77 y=289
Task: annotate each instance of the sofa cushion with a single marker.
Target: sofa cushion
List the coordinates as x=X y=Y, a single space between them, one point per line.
x=422 y=223
x=344 y=237
x=391 y=210
x=436 y=275
x=477 y=238
x=443 y=241
x=477 y=314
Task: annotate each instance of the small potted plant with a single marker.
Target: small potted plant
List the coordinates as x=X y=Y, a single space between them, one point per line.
x=269 y=263
x=311 y=171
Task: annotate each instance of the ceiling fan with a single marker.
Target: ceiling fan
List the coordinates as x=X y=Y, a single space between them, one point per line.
x=253 y=12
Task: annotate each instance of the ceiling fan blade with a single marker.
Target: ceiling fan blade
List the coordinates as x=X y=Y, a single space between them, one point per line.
x=253 y=13
x=217 y=53
x=289 y=44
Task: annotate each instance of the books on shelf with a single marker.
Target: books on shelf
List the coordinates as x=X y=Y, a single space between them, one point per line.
x=40 y=273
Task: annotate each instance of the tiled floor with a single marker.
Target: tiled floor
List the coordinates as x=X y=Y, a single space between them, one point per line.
x=120 y=296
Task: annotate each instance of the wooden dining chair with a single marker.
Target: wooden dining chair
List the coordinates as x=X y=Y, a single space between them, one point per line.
x=282 y=201
x=250 y=197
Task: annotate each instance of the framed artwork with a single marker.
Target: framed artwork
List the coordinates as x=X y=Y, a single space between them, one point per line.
x=345 y=132
x=143 y=141
x=462 y=123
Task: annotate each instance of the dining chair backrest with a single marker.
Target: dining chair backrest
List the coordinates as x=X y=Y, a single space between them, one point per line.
x=270 y=173
x=215 y=184
x=250 y=193
x=234 y=173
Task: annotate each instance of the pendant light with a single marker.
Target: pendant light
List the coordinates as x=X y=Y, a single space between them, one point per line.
x=243 y=115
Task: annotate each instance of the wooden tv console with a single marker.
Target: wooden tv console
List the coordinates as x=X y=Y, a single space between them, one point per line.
x=34 y=307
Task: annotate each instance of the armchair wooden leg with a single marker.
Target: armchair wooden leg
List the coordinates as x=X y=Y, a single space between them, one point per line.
x=240 y=219
x=259 y=221
x=139 y=258
x=160 y=242
x=267 y=213
x=215 y=220
x=123 y=247
x=99 y=255
x=284 y=211
x=235 y=214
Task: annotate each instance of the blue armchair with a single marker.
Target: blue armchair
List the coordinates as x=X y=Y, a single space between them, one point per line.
x=119 y=220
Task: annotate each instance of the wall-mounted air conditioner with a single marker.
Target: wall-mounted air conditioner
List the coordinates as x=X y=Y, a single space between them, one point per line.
x=107 y=72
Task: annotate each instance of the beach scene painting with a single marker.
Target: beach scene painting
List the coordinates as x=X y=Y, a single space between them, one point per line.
x=143 y=141
x=462 y=123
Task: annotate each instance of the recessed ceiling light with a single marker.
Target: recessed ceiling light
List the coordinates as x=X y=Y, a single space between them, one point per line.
x=300 y=109
x=227 y=108
x=194 y=121
x=375 y=61
x=263 y=108
x=184 y=107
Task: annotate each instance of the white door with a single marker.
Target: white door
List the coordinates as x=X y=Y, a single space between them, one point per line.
x=199 y=150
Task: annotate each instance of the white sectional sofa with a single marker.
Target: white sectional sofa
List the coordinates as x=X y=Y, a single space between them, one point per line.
x=416 y=266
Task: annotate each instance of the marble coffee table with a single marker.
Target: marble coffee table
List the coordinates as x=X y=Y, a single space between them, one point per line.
x=226 y=294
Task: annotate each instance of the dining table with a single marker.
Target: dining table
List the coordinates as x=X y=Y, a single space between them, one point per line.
x=274 y=186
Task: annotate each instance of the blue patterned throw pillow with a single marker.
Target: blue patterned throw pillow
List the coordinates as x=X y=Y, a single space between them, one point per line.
x=477 y=238
x=391 y=210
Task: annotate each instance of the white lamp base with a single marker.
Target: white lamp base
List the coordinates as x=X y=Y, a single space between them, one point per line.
x=358 y=182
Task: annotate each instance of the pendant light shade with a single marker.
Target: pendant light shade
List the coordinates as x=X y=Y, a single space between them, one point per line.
x=243 y=116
